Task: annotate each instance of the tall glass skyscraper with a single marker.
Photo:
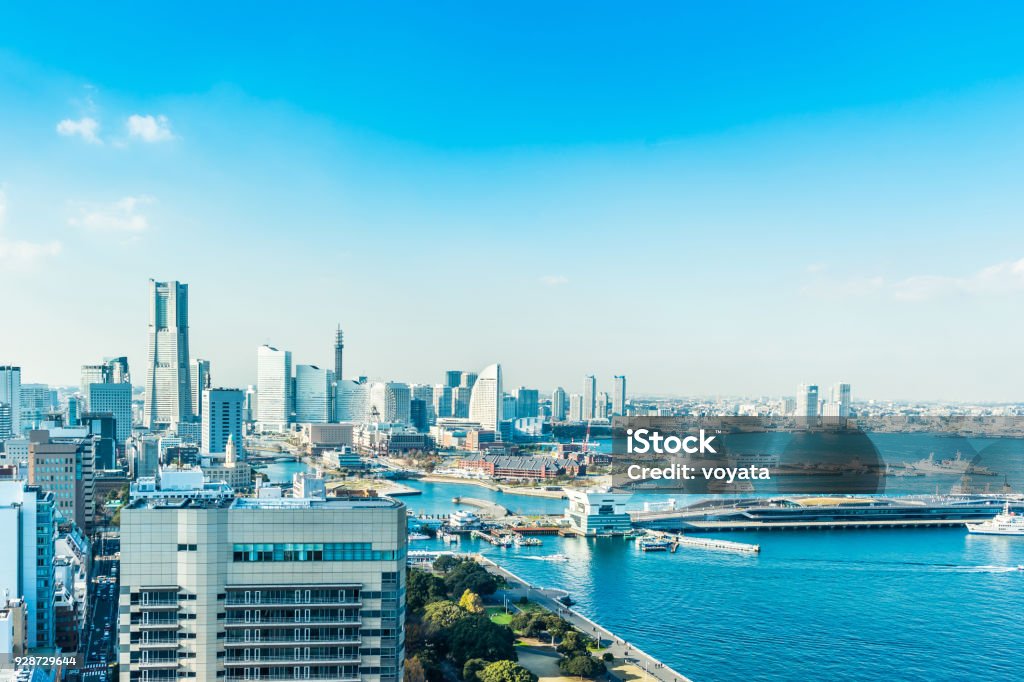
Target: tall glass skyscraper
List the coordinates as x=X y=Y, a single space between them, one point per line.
x=313 y=394
x=168 y=397
x=485 y=403
x=274 y=388
x=619 y=396
x=10 y=395
x=589 y=397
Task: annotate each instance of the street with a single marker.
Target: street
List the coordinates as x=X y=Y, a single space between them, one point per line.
x=99 y=639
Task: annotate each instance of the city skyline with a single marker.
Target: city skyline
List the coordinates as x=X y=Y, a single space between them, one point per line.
x=835 y=216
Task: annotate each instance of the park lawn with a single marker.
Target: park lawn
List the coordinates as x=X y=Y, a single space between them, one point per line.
x=498 y=615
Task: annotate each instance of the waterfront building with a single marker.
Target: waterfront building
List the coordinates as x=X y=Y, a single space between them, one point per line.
x=807 y=400
x=274 y=387
x=200 y=381
x=589 y=398
x=116 y=400
x=619 y=396
x=65 y=467
x=512 y=467
x=319 y=437
x=575 y=407
x=381 y=438
x=389 y=400
x=10 y=395
x=168 y=392
x=342 y=458
x=313 y=388
x=222 y=418
x=27 y=535
x=485 y=403
x=443 y=406
x=527 y=402
x=559 y=404
x=230 y=589
x=597 y=513
x=352 y=401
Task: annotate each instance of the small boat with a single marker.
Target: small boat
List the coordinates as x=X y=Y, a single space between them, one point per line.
x=450 y=538
x=1004 y=523
x=418 y=536
x=653 y=545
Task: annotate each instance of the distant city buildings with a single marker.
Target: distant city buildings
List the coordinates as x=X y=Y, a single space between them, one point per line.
x=200 y=371
x=390 y=402
x=314 y=387
x=116 y=400
x=222 y=410
x=527 y=403
x=274 y=388
x=589 y=397
x=10 y=395
x=559 y=404
x=619 y=396
x=168 y=392
x=485 y=405
x=807 y=400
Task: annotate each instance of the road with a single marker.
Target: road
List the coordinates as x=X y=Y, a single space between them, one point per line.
x=548 y=598
x=99 y=640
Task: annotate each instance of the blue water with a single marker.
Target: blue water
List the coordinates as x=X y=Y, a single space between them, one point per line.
x=928 y=605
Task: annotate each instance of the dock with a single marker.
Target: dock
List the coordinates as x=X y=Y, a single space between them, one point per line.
x=708 y=543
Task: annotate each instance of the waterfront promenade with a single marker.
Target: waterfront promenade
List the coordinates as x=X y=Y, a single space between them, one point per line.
x=643 y=665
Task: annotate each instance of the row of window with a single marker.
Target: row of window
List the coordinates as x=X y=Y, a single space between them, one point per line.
x=329 y=551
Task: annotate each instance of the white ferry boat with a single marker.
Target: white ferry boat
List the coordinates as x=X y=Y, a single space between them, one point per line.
x=1006 y=523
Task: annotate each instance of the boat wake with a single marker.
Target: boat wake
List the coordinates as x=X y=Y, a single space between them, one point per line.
x=551 y=557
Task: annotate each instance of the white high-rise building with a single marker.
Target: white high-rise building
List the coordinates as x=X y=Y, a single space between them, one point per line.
x=485 y=402
x=352 y=401
x=807 y=400
x=10 y=395
x=222 y=419
x=262 y=589
x=313 y=387
x=619 y=396
x=200 y=382
x=168 y=398
x=575 y=407
x=841 y=398
x=559 y=406
x=391 y=401
x=274 y=388
x=589 y=397
x=27 y=534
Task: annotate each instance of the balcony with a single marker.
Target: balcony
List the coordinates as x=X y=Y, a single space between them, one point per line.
x=291 y=641
x=289 y=661
x=278 y=622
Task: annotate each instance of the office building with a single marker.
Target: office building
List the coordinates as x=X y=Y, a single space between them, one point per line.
x=460 y=401
x=93 y=374
x=424 y=392
x=559 y=404
x=453 y=378
x=527 y=403
x=119 y=373
x=27 y=535
x=263 y=588
x=443 y=406
x=575 y=407
x=467 y=379
x=168 y=391
x=222 y=418
x=200 y=376
x=597 y=513
x=66 y=468
x=116 y=400
x=619 y=396
x=5 y=421
x=807 y=400
x=589 y=397
x=313 y=389
x=36 y=405
x=390 y=402
x=10 y=394
x=840 y=399
x=351 y=401
x=274 y=388
x=486 y=403
x=601 y=406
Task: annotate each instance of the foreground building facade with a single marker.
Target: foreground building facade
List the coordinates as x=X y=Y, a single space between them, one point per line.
x=267 y=589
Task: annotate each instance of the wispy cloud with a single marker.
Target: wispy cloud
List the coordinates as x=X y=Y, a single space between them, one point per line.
x=554 y=280
x=86 y=128
x=123 y=215
x=149 y=128
x=19 y=253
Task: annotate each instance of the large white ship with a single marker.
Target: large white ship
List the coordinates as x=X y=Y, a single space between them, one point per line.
x=1005 y=523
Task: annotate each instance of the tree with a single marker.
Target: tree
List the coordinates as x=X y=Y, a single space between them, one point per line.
x=506 y=671
x=471 y=602
x=472 y=667
x=476 y=636
x=414 y=671
x=573 y=644
x=443 y=614
x=422 y=588
x=445 y=563
x=556 y=625
x=607 y=657
x=581 y=666
x=469 y=575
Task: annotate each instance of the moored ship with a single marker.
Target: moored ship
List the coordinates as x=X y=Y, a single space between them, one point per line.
x=1004 y=523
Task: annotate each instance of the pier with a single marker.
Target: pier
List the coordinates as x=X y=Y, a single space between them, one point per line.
x=485 y=506
x=708 y=543
x=644 y=663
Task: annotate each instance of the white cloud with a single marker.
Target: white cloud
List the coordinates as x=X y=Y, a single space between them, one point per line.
x=86 y=127
x=150 y=128
x=122 y=215
x=554 y=280
x=1001 y=278
x=21 y=253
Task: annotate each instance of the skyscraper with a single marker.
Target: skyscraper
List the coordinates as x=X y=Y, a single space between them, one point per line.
x=352 y=401
x=838 y=402
x=589 y=397
x=339 y=349
x=391 y=401
x=452 y=378
x=425 y=392
x=36 y=405
x=313 y=388
x=10 y=394
x=222 y=419
x=272 y=589
x=115 y=399
x=27 y=533
x=619 y=396
x=443 y=401
x=807 y=400
x=485 y=402
x=558 y=404
x=168 y=398
x=119 y=373
x=575 y=407
x=200 y=370
x=527 y=400
x=273 y=388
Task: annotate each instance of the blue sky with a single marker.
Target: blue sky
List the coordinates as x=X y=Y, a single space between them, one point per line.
x=708 y=197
